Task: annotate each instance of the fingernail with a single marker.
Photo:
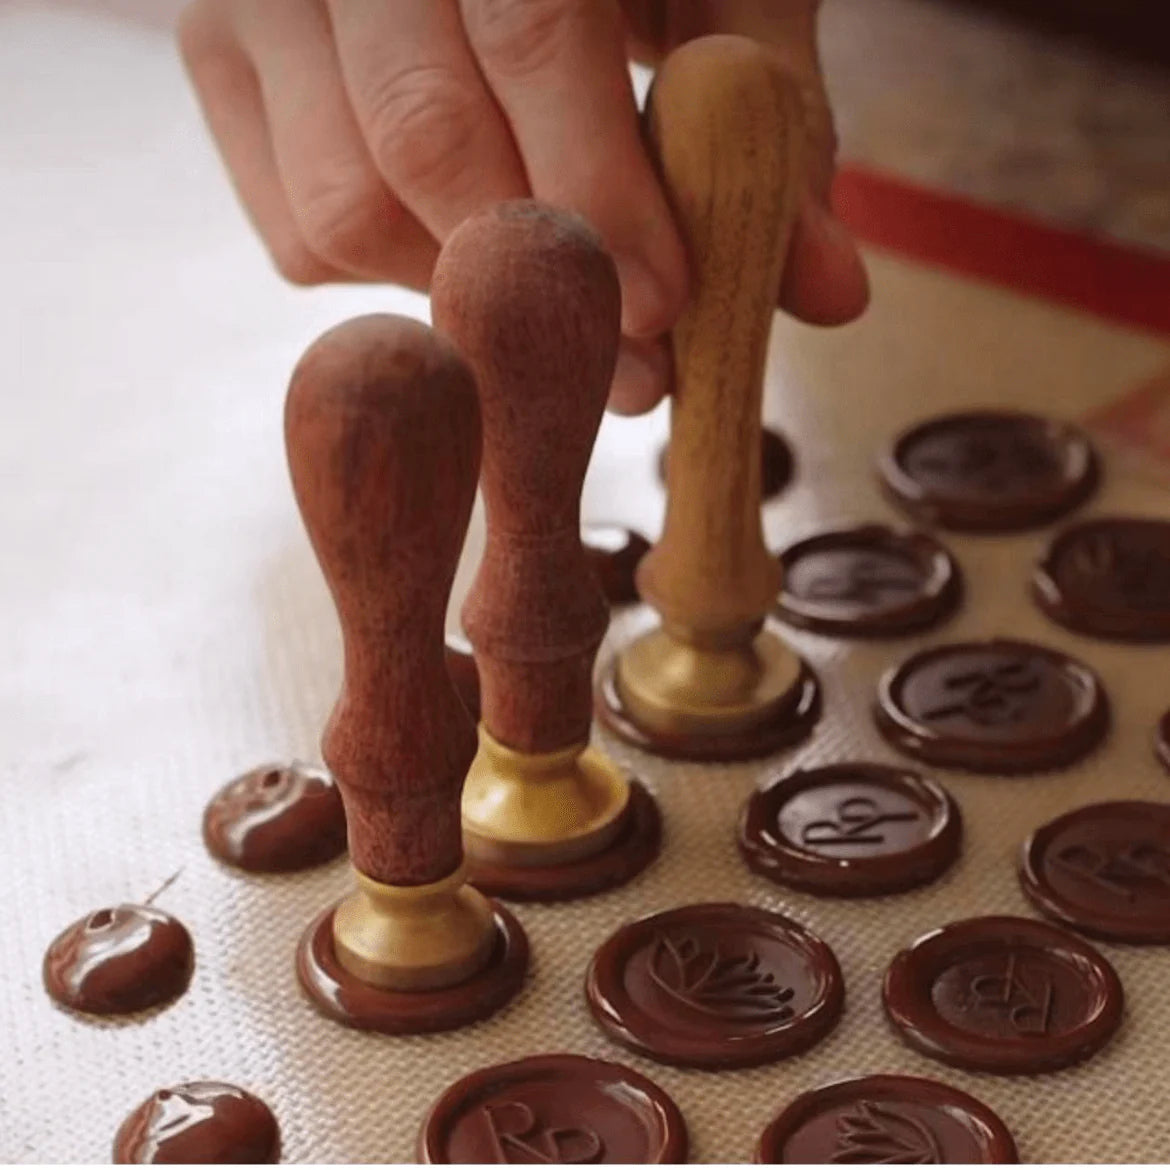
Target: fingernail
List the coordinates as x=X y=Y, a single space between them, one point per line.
x=642 y=375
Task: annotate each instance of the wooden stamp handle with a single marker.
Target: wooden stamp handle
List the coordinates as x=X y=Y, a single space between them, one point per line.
x=726 y=125
x=532 y=301
x=383 y=434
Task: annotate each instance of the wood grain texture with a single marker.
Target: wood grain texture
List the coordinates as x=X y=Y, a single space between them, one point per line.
x=383 y=434
x=725 y=124
x=532 y=301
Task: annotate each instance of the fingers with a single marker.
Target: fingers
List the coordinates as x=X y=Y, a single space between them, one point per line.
x=558 y=71
x=229 y=94
x=345 y=213
x=825 y=282
x=434 y=130
x=642 y=377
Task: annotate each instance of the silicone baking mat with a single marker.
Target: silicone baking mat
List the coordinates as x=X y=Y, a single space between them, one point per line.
x=165 y=626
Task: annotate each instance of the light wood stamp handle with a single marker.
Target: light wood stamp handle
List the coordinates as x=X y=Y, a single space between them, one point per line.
x=726 y=125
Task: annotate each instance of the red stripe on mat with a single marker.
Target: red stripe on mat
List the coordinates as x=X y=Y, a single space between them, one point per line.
x=1107 y=279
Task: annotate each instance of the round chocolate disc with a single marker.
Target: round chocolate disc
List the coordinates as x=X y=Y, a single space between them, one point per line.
x=715 y=986
x=463 y=672
x=614 y=553
x=1104 y=870
x=1003 y=995
x=1109 y=578
x=997 y=706
x=118 y=960
x=276 y=819
x=202 y=1121
x=850 y=829
x=1162 y=741
x=990 y=470
x=776 y=463
x=868 y=581
x=559 y=1109
x=886 y=1120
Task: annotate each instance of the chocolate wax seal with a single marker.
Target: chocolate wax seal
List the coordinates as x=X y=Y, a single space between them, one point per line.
x=886 y=1120
x=276 y=819
x=1162 y=741
x=776 y=463
x=1003 y=995
x=715 y=986
x=868 y=581
x=850 y=829
x=990 y=470
x=463 y=672
x=1109 y=578
x=1104 y=870
x=560 y=1109
x=201 y=1121
x=614 y=553
x=996 y=706
x=118 y=960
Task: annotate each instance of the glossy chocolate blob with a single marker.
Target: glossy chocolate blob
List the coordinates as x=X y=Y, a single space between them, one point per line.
x=991 y=471
x=276 y=819
x=850 y=829
x=118 y=960
x=868 y=582
x=886 y=1120
x=560 y=1109
x=202 y=1121
x=715 y=986
x=614 y=553
x=1104 y=870
x=1003 y=995
x=996 y=706
x=1109 y=578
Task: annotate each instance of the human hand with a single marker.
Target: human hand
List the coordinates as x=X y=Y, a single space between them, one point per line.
x=359 y=134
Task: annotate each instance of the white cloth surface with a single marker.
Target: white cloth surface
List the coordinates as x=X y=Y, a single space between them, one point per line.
x=163 y=626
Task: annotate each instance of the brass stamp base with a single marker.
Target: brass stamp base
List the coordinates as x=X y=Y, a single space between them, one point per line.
x=342 y=997
x=637 y=838
x=413 y=938
x=787 y=723
x=551 y=809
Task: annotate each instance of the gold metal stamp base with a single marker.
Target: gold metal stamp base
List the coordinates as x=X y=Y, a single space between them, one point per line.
x=536 y=810
x=414 y=938
x=672 y=687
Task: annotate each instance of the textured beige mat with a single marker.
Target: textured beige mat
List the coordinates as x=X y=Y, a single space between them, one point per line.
x=163 y=626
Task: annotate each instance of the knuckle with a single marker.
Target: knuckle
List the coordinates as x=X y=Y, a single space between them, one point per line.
x=297 y=264
x=522 y=37
x=338 y=218
x=422 y=123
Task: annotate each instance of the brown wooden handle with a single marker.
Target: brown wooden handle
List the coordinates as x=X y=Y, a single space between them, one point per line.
x=383 y=434
x=725 y=123
x=532 y=301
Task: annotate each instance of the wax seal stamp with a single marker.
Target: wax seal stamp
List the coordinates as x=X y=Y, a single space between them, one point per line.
x=886 y=1120
x=461 y=669
x=1003 y=995
x=715 y=986
x=614 y=553
x=276 y=819
x=1104 y=870
x=118 y=960
x=776 y=463
x=996 y=706
x=868 y=581
x=850 y=829
x=562 y=1109
x=1109 y=578
x=201 y=1122
x=990 y=471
